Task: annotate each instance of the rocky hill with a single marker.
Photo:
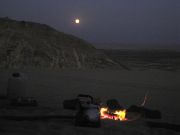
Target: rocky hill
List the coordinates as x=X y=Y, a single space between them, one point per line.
x=27 y=44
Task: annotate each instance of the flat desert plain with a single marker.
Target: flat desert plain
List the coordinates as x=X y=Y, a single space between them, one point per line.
x=129 y=87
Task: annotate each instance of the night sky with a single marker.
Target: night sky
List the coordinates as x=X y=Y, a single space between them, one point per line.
x=104 y=21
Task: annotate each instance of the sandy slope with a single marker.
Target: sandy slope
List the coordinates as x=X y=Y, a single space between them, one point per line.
x=129 y=87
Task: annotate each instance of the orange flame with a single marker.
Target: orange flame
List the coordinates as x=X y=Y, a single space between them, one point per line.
x=117 y=115
x=121 y=115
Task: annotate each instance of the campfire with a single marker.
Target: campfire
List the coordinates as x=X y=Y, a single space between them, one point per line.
x=114 y=115
x=115 y=111
x=90 y=112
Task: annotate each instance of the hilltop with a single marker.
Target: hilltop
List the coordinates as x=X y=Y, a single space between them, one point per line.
x=28 y=44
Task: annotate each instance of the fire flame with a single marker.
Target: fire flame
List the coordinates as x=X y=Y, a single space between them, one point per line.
x=121 y=114
x=117 y=115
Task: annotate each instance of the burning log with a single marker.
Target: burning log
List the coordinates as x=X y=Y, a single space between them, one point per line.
x=116 y=115
x=147 y=113
x=113 y=111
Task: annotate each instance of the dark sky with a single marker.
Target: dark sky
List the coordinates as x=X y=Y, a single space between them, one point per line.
x=104 y=21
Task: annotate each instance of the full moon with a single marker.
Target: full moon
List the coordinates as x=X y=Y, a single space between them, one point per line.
x=77 y=21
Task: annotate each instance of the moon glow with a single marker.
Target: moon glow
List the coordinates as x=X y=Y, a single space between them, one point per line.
x=77 y=21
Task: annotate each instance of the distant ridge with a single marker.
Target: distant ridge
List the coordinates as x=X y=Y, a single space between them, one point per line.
x=27 y=44
x=140 y=46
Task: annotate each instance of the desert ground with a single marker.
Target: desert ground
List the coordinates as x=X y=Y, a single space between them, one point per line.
x=51 y=87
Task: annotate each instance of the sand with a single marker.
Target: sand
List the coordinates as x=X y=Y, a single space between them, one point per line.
x=50 y=88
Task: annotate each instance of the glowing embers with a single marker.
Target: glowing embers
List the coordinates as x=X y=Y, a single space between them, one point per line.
x=116 y=115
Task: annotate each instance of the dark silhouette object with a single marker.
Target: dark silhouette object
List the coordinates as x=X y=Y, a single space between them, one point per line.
x=88 y=117
x=24 y=102
x=75 y=104
x=174 y=127
x=16 y=74
x=86 y=97
x=17 y=84
x=16 y=91
x=147 y=113
x=88 y=113
x=113 y=105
